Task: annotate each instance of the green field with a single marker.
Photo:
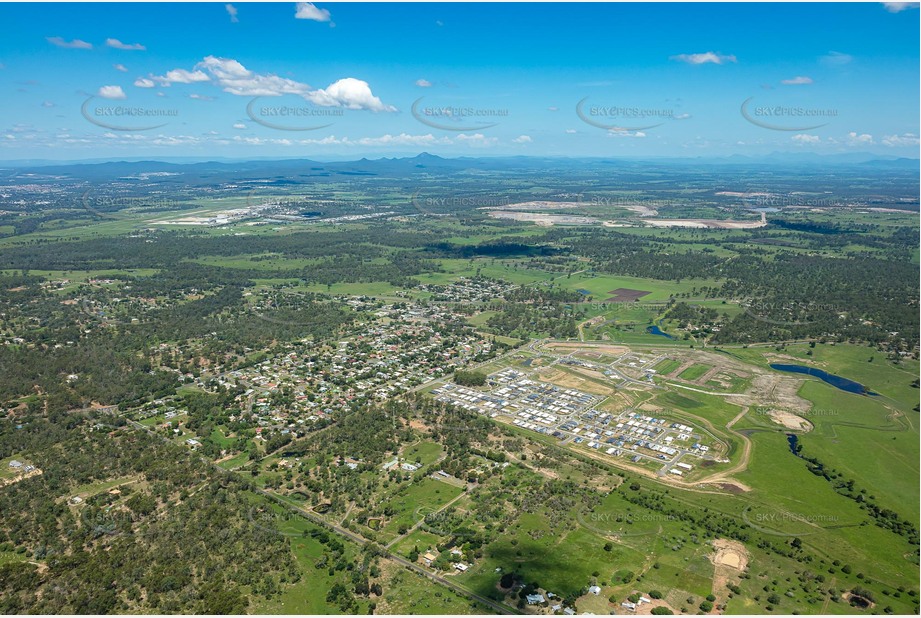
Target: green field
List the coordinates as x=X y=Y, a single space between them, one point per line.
x=694 y=371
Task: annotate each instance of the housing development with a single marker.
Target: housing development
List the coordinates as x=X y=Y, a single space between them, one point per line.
x=434 y=309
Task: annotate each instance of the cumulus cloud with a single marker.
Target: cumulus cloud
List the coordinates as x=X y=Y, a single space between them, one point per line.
x=234 y=78
x=898 y=7
x=180 y=76
x=804 y=138
x=797 y=81
x=75 y=44
x=232 y=11
x=906 y=139
x=834 y=58
x=239 y=125
x=111 y=92
x=116 y=44
x=350 y=93
x=120 y=67
x=306 y=10
x=855 y=138
x=403 y=139
x=477 y=140
x=142 y=82
x=423 y=83
x=704 y=58
x=523 y=139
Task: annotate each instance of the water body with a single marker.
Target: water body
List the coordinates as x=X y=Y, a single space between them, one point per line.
x=793 y=440
x=837 y=381
x=655 y=330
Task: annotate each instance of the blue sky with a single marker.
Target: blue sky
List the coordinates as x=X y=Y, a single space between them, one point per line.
x=343 y=80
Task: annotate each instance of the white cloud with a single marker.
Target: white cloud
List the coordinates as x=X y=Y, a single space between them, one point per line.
x=523 y=139
x=236 y=79
x=423 y=83
x=120 y=67
x=175 y=140
x=614 y=133
x=200 y=97
x=47 y=104
x=834 y=58
x=180 y=76
x=75 y=44
x=798 y=80
x=239 y=125
x=571 y=131
x=232 y=11
x=306 y=10
x=403 y=139
x=804 y=138
x=704 y=58
x=681 y=116
x=350 y=93
x=111 y=92
x=897 y=7
x=477 y=140
x=116 y=44
x=906 y=139
x=553 y=108
x=854 y=138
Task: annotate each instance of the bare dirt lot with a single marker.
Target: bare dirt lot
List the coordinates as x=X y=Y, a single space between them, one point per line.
x=567 y=380
x=612 y=350
x=730 y=559
x=625 y=295
x=790 y=421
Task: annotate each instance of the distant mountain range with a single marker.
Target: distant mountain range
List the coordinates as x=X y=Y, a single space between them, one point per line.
x=190 y=168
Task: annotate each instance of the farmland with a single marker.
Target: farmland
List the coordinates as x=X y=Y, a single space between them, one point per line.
x=512 y=409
